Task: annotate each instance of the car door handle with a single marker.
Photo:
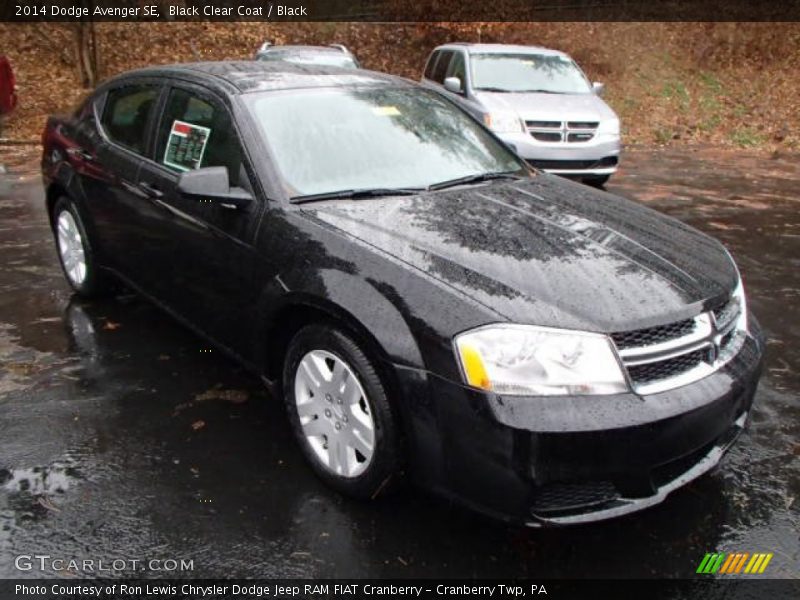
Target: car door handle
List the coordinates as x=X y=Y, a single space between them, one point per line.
x=80 y=153
x=151 y=190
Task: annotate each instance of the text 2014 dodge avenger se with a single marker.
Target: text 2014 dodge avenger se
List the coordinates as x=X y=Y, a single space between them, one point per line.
x=427 y=304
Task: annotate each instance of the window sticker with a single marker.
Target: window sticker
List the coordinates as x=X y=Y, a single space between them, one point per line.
x=186 y=145
x=386 y=111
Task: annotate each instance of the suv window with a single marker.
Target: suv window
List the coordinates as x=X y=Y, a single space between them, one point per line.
x=197 y=132
x=431 y=63
x=127 y=113
x=441 y=66
x=458 y=69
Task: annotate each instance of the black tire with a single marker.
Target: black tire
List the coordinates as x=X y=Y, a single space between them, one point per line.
x=598 y=181
x=96 y=282
x=384 y=470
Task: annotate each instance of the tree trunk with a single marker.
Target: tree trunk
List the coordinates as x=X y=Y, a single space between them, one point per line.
x=86 y=47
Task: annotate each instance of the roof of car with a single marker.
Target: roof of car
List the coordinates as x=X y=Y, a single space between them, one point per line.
x=502 y=49
x=304 y=49
x=250 y=75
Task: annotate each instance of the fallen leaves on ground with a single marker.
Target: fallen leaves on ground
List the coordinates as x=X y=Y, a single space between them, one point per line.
x=199 y=424
x=232 y=396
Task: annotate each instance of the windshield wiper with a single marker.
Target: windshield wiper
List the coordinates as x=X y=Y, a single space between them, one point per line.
x=473 y=179
x=493 y=89
x=358 y=193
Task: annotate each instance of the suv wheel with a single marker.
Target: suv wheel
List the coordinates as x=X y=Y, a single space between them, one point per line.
x=340 y=412
x=75 y=251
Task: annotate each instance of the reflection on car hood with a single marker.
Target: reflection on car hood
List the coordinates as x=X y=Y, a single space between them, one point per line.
x=546 y=251
x=548 y=107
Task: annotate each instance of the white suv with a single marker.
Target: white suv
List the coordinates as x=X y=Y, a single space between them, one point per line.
x=537 y=100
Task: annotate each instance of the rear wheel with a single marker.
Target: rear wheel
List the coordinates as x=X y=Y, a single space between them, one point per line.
x=75 y=251
x=340 y=412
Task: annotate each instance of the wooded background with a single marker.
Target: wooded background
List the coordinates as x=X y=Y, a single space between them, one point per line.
x=732 y=84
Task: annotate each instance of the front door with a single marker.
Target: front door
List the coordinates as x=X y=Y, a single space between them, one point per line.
x=209 y=261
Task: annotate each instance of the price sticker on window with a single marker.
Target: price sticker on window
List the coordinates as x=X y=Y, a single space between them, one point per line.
x=186 y=145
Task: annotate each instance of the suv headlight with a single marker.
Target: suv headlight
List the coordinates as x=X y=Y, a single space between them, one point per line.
x=608 y=127
x=526 y=360
x=503 y=122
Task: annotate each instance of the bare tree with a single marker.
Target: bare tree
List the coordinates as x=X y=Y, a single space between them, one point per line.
x=86 y=46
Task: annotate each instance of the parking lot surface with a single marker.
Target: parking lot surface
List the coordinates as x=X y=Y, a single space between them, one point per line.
x=123 y=436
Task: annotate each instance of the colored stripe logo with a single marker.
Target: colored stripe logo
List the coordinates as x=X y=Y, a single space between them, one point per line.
x=734 y=563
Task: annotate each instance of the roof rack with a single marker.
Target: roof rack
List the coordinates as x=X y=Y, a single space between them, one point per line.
x=265 y=46
x=341 y=47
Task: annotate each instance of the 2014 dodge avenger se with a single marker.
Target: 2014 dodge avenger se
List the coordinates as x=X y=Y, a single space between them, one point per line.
x=425 y=302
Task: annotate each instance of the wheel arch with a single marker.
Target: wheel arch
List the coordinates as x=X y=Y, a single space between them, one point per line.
x=53 y=192
x=344 y=300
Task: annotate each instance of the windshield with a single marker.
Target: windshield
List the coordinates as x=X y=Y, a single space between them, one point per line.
x=328 y=140
x=527 y=73
x=326 y=59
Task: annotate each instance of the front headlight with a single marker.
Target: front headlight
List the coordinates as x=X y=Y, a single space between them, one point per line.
x=501 y=122
x=525 y=360
x=608 y=127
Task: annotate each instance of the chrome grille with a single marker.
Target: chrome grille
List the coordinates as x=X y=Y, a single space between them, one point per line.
x=653 y=335
x=669 y=356
x=726 y=313
x=565 y=132
x=670 y=367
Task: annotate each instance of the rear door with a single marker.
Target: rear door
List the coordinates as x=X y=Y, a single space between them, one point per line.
x=116 y=205
x=207 y=264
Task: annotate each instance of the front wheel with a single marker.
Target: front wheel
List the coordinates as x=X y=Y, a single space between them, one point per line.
x=75 y=251
x=340 y=412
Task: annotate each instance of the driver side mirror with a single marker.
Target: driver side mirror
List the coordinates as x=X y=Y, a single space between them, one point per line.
x=598 y=88
x=453 y=84
x=213 y=183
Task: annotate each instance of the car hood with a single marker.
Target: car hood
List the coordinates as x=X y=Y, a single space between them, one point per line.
x=548 y=107
x=546 y=251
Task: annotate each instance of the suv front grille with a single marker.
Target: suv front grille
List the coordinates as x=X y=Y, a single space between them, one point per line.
x=668 y=356
x=558 y=131
x=575 y=165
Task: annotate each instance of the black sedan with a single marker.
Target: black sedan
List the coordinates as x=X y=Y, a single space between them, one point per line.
x=426 y=304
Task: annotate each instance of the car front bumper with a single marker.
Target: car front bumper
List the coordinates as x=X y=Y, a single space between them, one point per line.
x=595 y=158
x=568 y=460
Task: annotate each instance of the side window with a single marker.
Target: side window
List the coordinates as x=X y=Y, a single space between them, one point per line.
x=458 y=69
x=126 y=115
x=431 y=63
x=441 y=66
x=197 y=132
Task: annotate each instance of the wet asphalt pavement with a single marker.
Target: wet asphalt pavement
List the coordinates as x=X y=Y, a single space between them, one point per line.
x=123 y=436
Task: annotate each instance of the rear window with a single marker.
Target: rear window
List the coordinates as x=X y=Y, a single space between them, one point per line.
x=127 y=114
